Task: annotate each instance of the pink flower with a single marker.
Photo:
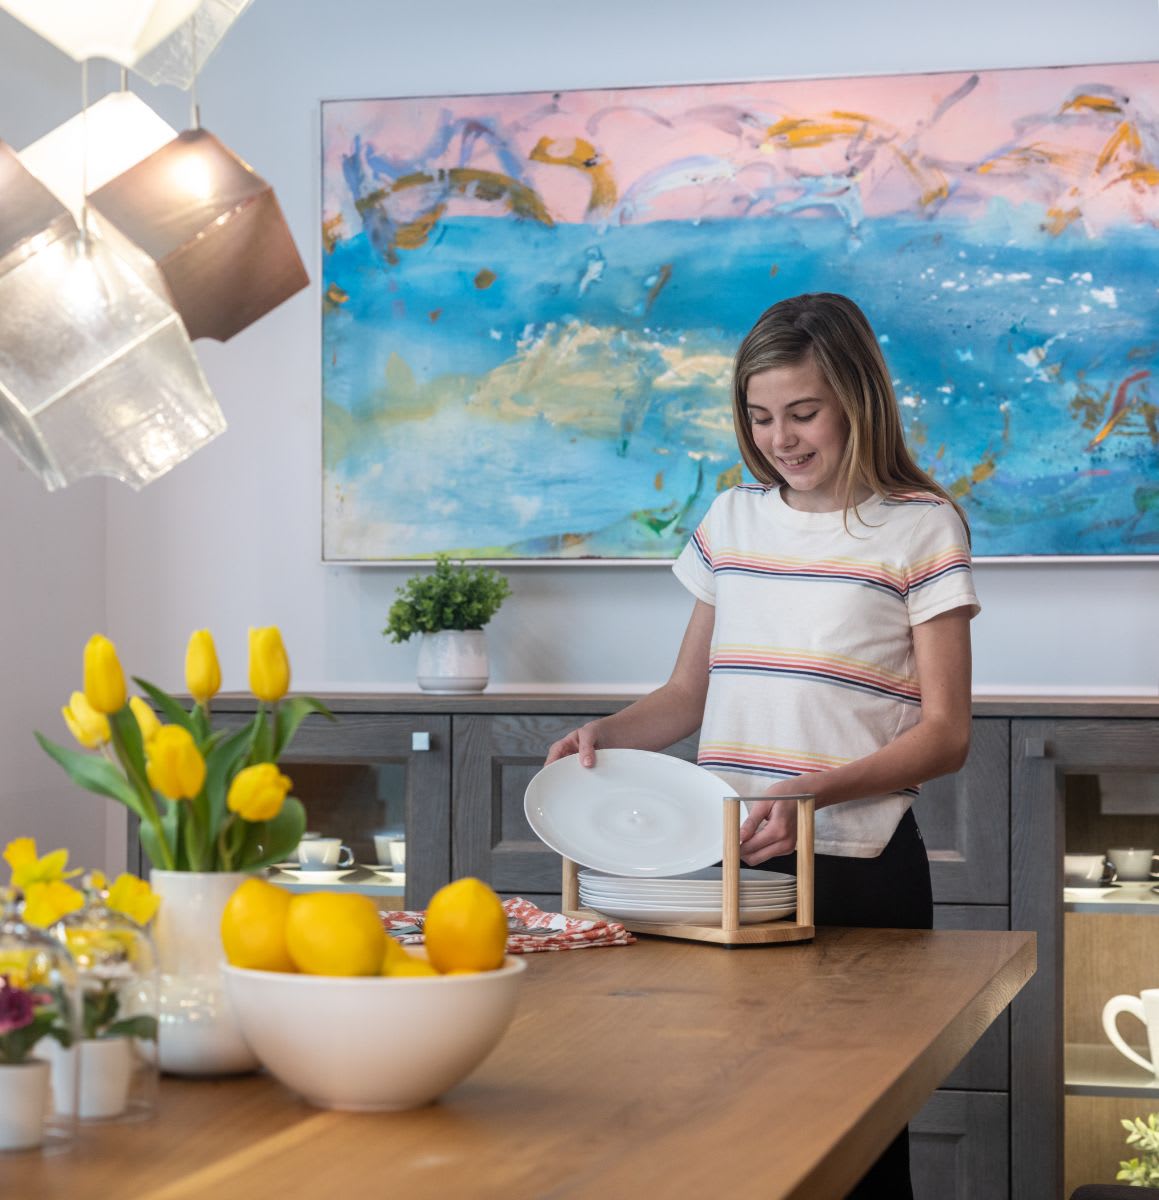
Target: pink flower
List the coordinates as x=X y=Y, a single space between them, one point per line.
x=17 y=1007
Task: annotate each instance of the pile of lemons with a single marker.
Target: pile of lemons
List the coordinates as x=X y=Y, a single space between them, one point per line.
x=266 y=928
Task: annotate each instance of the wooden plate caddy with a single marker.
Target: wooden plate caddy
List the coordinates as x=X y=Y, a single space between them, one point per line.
x=730 y=932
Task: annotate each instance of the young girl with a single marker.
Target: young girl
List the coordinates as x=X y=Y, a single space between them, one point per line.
x=829 y=647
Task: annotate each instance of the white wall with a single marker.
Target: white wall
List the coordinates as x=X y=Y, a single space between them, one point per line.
x=232 y=537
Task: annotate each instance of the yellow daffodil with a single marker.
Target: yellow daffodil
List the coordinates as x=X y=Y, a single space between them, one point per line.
x=46 y=903
x=19 y=966
x=269 y=666
x=96 y=880
x=174 y=763
x=135 y=898
x=202 y=671
x=88 y=726
x=258 y=792
x=28 y=869
x=104 y=679
x=146 y=718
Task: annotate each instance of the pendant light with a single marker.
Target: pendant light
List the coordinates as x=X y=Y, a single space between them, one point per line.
x=177 y=59
x=120 y=30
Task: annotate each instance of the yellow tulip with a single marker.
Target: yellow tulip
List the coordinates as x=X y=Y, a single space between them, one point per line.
x=28 y=869
x=147 y=720
x=135 y=898
x=202 y=671
x=104 y=679
x=46 y=903
x=269 y=666
x=88 y=726
x=174 y=763
x=258 y=792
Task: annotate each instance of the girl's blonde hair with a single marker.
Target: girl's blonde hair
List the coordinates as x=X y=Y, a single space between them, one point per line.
x=832 y=329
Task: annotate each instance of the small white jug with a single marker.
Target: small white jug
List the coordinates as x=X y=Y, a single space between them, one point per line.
x=1145 y=1006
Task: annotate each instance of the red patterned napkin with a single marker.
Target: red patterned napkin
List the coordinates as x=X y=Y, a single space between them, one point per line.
x=529 y=929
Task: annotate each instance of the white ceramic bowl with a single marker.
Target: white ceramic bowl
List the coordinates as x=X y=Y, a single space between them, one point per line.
x=374 y=1043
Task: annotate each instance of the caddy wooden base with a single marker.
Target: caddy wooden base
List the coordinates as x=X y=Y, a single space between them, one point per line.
x=730 y=931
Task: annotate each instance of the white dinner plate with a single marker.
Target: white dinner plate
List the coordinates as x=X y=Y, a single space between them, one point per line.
x=683 y=898
x=634 y=813
x=692 y=915
x=707 y=877
x=316 y=876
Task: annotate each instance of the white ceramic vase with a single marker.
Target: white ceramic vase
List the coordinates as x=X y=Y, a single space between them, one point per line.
x=23 y=1104
x=104 y=1070
x=453 y=660
x=197 y=1033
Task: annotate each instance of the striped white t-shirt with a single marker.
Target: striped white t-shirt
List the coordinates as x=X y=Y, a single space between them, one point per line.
x=812 y=661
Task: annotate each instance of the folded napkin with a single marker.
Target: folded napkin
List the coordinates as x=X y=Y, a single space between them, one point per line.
x=529 y=929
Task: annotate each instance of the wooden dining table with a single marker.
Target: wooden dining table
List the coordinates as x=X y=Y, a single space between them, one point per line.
x=658 y=1069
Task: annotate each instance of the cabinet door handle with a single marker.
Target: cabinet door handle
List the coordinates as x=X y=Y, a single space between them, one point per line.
x=420 y=741
x=1034 y=747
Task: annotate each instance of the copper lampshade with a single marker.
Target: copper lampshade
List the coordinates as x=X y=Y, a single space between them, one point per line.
x=30 y=215
x=207 y=229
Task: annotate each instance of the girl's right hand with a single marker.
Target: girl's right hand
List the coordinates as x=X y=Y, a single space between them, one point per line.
x=581 y=741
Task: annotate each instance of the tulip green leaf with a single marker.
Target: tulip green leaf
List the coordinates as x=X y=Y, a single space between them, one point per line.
x=95 y=775
x=220 y=765
x=279 y=836
x=290 y=714
x=170 y=709
x=263 y=745
x=151 y=843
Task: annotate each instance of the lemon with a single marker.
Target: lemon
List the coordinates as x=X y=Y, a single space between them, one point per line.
x=466 y=927
x=394 y=953
x=253 y=927
x=331 y=933
x=409 y=964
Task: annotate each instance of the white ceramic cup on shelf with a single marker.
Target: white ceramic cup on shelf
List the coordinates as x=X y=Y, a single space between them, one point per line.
x=324 y=852
x=390 y=849
x=1132 y=863
x=1145 y=1006
x=1086 y=870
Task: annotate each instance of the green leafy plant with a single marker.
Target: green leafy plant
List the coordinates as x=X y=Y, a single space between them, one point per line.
x=453 y=596
x=1142 y=1171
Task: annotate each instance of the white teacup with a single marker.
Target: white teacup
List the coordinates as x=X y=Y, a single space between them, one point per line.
x=390 y=849
x=1086 y=870
x=1145 y=1006
x=1131 y=863
x=324 y=852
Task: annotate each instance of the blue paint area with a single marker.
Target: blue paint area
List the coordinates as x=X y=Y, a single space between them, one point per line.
x=1007 y=347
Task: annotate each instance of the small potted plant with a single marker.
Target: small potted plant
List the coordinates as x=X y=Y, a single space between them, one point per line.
x=28 y=1013
x=448 y=609
x=1144 y=1135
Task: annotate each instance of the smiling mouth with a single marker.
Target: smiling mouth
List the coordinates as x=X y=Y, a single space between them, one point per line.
x=799 y=461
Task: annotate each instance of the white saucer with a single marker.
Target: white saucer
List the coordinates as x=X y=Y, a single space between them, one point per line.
x=634 y=813
x=316 y=875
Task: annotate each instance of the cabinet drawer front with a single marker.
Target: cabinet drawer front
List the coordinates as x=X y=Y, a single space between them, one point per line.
x=960 y=1147
x=987 y=1066
x=965 y=821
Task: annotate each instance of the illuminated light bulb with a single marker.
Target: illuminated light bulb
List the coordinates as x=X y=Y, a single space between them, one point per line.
x=218 y=247
x=120 y=30
x=97 y=374
x=119 y=130
x=185 y=51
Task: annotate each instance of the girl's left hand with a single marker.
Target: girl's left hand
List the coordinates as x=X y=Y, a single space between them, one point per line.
x=778 y=834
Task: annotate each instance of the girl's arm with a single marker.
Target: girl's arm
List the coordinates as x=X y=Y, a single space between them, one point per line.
x=664 y=716
x=936 y=745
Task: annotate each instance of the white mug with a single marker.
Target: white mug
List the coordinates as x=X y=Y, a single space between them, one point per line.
x=1086 y=870
x=1145 y=1006
x=1131 y=863
x=324 y=852
x=390 y=849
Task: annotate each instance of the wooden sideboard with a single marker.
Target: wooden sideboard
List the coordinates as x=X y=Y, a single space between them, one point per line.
x=996 y=832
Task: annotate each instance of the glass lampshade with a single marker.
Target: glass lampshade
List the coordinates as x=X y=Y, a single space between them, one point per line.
x=97 y=373
x=118 y=131
x=30 y=215
x=121 y=30
x=210 y=226
x=179 y=58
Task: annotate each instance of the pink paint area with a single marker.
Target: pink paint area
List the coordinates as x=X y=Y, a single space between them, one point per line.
x=1079 y=143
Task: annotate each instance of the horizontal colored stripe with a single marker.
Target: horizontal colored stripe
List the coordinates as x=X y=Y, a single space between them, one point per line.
x=740 y=758
x=701 y=546
x=829 y=669
x=937 y=566
x=731 y=561
x=898 y=498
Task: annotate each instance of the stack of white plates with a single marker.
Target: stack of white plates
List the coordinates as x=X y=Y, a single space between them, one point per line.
x=691 y=899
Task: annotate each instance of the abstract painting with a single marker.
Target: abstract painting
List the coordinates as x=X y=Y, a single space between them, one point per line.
x=531 y=302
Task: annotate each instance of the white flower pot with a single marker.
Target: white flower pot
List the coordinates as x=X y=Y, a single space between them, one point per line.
x=198 y=1033
x=453 y=660
x=105 y=1071
x=23 y=1104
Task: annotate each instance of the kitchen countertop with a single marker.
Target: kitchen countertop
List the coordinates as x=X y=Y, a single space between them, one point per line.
x=664 y=1068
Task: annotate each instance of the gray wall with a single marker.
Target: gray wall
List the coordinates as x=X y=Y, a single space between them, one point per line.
x=232 y=537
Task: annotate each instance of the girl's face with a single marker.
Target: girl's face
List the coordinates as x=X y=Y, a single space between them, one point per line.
x=798 y=425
